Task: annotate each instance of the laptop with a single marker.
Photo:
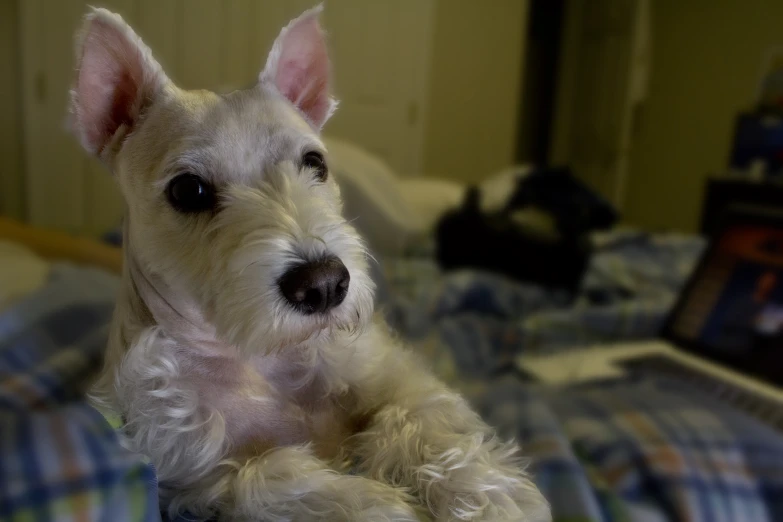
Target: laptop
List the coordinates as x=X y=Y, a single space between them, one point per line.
x=724 y=334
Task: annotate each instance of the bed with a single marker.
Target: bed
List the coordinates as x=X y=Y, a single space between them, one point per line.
x=59 y=459
x=641 y=450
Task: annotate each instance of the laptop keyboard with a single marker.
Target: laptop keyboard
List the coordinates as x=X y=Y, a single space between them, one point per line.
x=767 y=410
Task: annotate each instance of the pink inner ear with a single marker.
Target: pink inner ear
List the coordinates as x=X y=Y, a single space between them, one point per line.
x=108 y=86
x=302 y=73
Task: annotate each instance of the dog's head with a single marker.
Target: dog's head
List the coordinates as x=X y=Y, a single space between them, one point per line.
x=229 y=197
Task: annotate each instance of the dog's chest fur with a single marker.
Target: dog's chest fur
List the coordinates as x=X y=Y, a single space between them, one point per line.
x=272 y=401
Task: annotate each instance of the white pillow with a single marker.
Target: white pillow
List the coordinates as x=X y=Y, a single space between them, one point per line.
x=497 y=189
x=389 y=210
x=431 y=198
x=21 y=273
x=373 y=198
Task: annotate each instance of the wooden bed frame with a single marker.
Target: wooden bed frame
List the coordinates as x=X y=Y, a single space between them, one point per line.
x=61 y=246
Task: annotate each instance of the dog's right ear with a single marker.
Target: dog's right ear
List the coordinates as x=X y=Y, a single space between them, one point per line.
x=116 y=79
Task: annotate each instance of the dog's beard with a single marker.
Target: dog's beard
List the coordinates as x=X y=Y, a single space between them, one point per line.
x=259 y=235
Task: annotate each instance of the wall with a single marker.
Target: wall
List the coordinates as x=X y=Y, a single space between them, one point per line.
x=11 y=189
x=469 y=116
x=380 y=50
x=706 y=62
x=474 y=90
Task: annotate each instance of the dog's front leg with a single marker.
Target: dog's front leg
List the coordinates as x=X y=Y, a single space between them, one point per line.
x=290 y=484
x=426 y=437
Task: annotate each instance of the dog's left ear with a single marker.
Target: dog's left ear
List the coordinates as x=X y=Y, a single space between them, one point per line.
x=298 y=66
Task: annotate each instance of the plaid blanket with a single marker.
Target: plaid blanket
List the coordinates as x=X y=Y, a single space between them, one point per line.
x=59 y=459
x=638 y=451
x=643 y=450
x=483 y=321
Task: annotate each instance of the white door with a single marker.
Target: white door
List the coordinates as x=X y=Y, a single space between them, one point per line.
x=380 y=52
x=381 y=55
x=603 y=79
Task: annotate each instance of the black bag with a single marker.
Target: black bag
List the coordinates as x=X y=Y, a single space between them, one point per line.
x=470 y=238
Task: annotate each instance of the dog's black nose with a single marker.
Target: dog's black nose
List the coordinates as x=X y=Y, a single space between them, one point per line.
x=316 y=287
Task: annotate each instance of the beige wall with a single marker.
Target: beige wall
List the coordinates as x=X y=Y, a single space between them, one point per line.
x=707 y=58
x=470 y=115
x=477 y=53
x=11 y=200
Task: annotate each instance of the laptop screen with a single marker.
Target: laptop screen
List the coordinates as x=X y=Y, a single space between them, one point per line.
x=732 y=309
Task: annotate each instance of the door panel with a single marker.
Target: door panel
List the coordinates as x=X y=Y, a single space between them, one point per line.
x=381 y=60
x=55 y=167
x=604 y=58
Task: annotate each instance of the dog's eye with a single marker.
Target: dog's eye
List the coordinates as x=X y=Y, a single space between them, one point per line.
x=315 y=161
x=190 y=193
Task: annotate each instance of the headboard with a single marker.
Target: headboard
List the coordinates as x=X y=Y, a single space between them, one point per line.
x=58 y=245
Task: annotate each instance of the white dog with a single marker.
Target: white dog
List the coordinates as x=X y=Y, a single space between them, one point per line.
x=244 y=359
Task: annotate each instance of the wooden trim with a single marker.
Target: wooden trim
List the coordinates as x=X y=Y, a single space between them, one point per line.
x=11 y=168
x=61 y=246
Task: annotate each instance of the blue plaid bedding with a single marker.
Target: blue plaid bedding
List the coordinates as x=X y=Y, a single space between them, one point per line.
x=59 y=459
x=641 y=450
x=481 y=321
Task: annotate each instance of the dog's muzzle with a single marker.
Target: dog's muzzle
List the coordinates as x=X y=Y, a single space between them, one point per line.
x=317 y=286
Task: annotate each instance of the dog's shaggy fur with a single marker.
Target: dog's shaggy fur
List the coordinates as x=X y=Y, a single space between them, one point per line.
x=249 y=408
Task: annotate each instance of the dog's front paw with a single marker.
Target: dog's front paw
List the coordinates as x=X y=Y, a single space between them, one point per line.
x=487 y=483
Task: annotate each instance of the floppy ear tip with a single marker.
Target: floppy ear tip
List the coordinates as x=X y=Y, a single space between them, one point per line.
x=102 y=15
x=310 y=21
x=104 y=28
x=115 y=76
x=312 y=13
x=96 y=20
x=96 y=16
